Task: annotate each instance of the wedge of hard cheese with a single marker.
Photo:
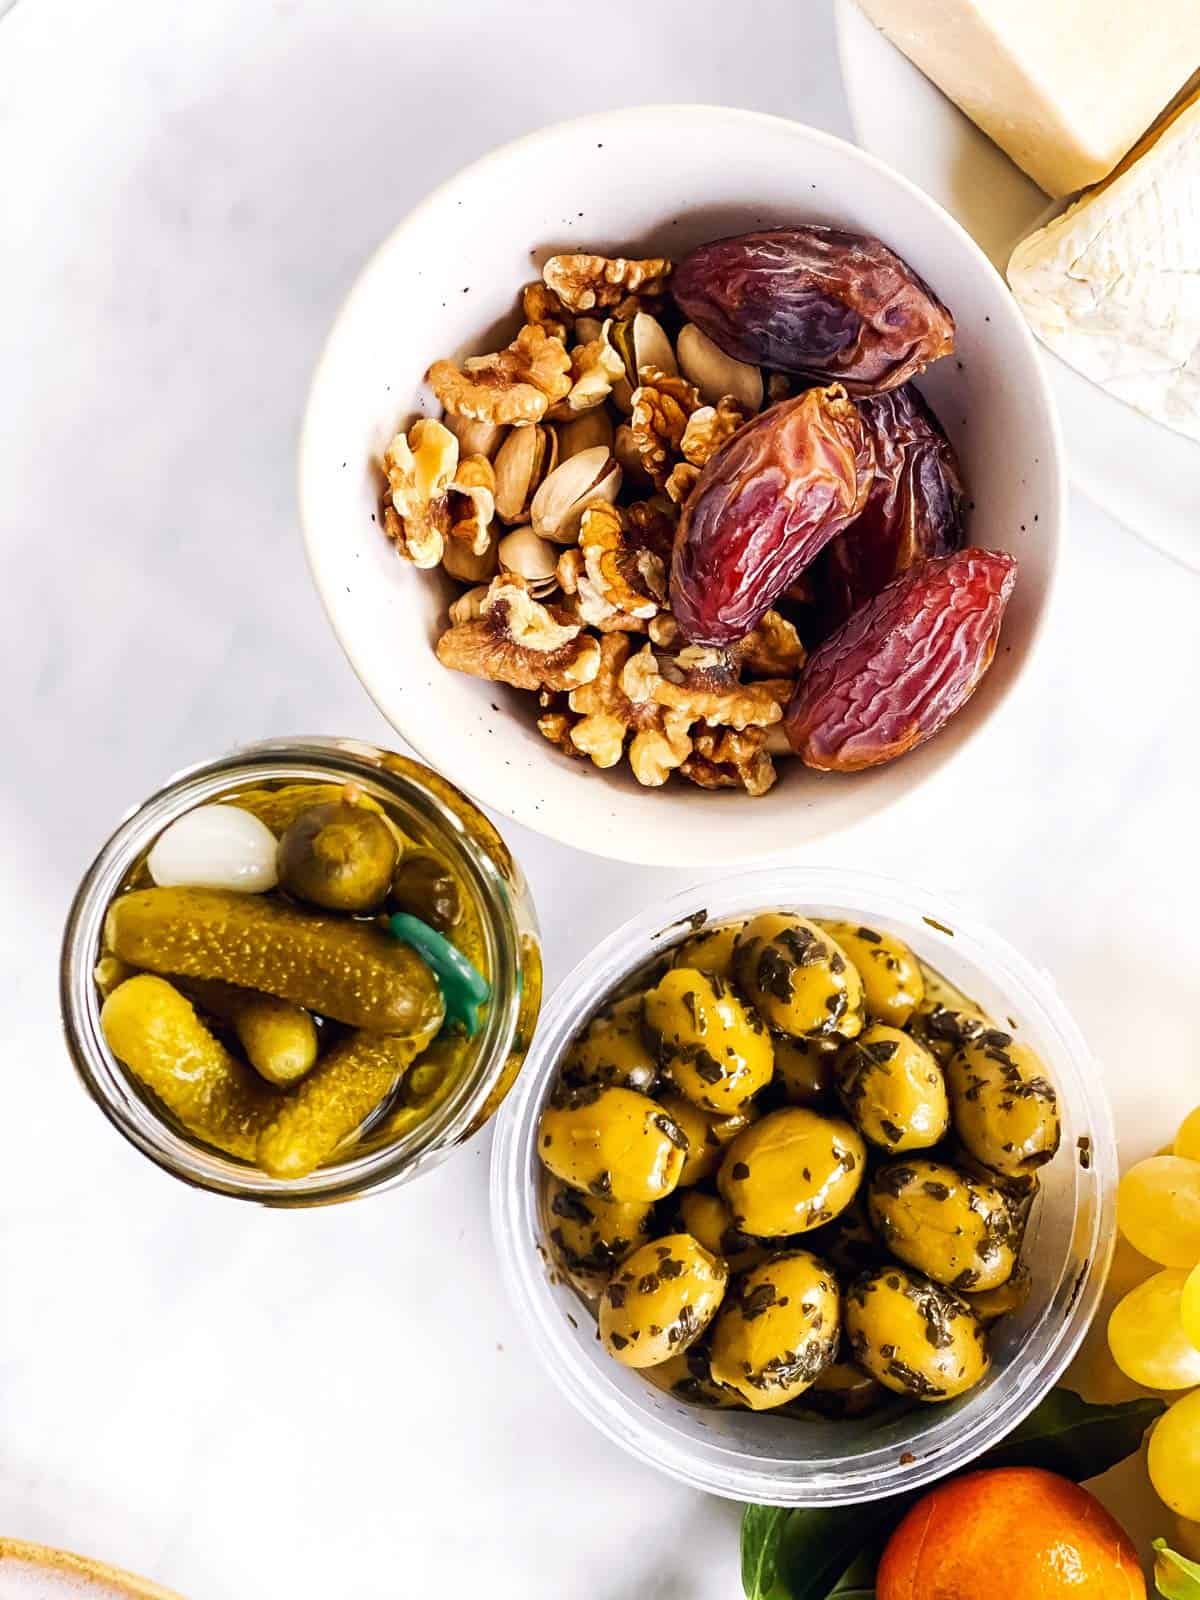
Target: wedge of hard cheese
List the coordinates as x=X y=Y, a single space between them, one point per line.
x=1066 y=87
x=1113 y=285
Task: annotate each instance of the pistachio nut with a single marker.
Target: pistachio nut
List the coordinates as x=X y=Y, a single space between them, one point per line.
x=715 y=374
x=558 y=505
x=584 y=433
x=469 y=605
x=587 y=329
x=629 y=457
x=522 y=462
x=640 y=341
x=475 y=438
x=468 y=565
x=531 y=558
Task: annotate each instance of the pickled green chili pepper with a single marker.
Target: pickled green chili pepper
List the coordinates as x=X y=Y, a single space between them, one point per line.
x=464 y=988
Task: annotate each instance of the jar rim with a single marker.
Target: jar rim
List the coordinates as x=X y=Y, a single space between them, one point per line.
x=300 y=759
x=638 y=1420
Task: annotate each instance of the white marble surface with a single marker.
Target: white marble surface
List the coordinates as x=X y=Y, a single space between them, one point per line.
x=241 y=1403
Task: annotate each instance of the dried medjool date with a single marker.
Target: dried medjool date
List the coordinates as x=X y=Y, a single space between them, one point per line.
x=914 y=509
x=763 y=507
x=902 y=664
x=828 y=305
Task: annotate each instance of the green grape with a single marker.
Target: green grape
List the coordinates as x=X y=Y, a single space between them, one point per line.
x=1158 y=1210
x=1187 y=1140
x=1174 y=1458
x=1189 y=1306
x=1146 y=1337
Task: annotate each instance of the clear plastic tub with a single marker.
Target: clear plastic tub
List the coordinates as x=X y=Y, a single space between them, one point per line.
x=786 y=1460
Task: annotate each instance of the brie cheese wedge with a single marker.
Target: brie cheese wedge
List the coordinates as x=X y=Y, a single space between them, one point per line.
x=1112 y=286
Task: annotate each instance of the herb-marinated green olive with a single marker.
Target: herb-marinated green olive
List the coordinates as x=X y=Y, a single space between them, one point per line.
x=849 y=1243
x=612 y=1050
x=1004 y=1107
x=791 y=1171
x=688 y=1378
x=843 y=1390
x=777 y=1330
x=706 y=1135
x=706 y=1217
x=1020 y=1190
x=339 y=856
x=592 y=1237
x=660 y=1300
x=893 y=985
x=711 y=950
x=953 y=1228
x=797 y=978
x=989 y=1305
x=426 y=888
x=715 y=1050
x=893 y=1089
x=614 y=1143
x=916 y=1337
x=943 y=1030
x=804 y=1071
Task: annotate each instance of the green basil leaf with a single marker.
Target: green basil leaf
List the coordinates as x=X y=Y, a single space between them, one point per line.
x=1174 y=1575
x=831 y=1553
x=1066 y=1434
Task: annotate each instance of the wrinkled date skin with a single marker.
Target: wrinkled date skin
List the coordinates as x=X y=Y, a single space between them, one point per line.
x=829 y=306
x=903 y=664
x=763 y=507
x=914 y=510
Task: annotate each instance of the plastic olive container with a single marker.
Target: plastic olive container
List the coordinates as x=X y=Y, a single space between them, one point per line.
x=428 y=809
x=788 y=1460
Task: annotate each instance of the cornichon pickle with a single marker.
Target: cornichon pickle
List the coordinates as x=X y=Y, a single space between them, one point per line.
x=279 y=1038
x=660 y=1300
x=612 y=1050
x=339 y=856
x=953 y=1228
x=791 y=1172
x=915 y=1336
x=777 y=1330
x=346 y=1085
x=338 y=968
x=614 y=1143
x=893 y=984
x=797 y=978
x=715 y=1050
x=893 y=1089
x=1004 y=1106
x=154 y=1031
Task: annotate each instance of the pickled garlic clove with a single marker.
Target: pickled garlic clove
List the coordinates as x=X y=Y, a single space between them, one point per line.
x=215 y=847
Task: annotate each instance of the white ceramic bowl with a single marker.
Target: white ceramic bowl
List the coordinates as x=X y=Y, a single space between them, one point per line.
x=656 y=179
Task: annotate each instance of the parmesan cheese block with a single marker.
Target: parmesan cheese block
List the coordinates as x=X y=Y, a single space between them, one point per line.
x=1066 y=87
x=1113 y=285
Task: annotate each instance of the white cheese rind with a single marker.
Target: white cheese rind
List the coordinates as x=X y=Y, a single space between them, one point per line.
x=1065 y=87
x=1113 y=285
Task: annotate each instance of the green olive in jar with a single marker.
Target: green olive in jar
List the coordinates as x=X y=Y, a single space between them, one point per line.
x=706 y=1217
x=1004 y=1106
x=688 y=1377
x=660 y=1300
x=944 y=1030
x=714 y=1049
x=612 y=1050
x=804 y=1071
x=706 y=1135
x=339 y=856
x=989 y=1305
x=849 y=1243
x=791 y=1171
x=797 y=978
x=892 y=1089
x=710 y=950
x=615 y=1144
x=591 y=1237
x=916 y=1337
x=953 y=1228
x=893 y=985
x=777 y=1330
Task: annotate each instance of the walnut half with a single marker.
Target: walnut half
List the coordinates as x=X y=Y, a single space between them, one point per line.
x=517 y=640
x=514 y=385
x=588 y=282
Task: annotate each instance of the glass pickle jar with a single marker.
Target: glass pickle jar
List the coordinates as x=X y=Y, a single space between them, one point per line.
x=429 y=1113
